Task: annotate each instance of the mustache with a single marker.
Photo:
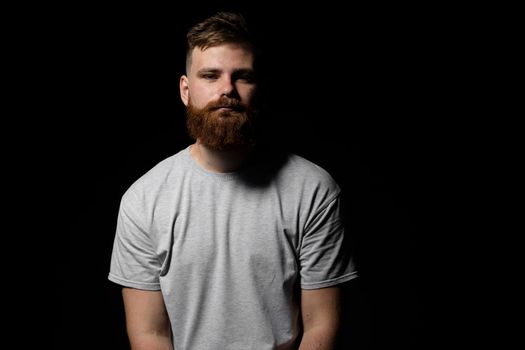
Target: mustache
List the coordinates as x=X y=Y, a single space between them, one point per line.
x=225 y=102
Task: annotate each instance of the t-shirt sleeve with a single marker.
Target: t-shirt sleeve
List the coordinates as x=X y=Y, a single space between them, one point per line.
x=324 y=256
x=134 y=262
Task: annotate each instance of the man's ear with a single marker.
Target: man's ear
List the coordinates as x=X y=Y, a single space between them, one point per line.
x=184 y=90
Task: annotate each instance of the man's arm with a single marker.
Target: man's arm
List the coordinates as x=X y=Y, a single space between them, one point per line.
x=321 y=310
x=147 y=321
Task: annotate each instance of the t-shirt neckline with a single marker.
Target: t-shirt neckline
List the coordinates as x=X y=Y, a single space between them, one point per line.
x=220 y=176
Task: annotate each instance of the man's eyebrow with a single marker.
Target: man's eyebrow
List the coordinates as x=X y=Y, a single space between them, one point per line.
x=244 y=71
x=217 y=70
x=208 y=70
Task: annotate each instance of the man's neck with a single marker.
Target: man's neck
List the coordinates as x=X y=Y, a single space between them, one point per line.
x=220 y=161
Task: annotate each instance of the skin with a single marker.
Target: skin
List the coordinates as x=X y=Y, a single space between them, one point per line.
x=224 y=70
x=320 y=309
x=147 y=321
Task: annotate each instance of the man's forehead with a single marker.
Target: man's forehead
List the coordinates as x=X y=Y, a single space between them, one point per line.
x=222 y=57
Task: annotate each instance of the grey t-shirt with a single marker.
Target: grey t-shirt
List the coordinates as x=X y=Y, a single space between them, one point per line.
x=231 y=251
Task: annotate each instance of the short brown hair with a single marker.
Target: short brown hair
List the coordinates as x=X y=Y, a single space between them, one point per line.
x=221 y=28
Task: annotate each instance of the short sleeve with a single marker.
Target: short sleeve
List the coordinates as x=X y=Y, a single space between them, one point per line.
x=324 y=256
x=134 y=262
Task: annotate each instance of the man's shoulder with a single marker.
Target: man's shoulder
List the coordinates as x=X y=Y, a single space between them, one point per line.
x=160 y=174
x=308 y=173
x=306 y=165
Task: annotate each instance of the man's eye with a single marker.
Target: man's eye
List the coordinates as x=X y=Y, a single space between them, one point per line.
x=248 y=78
x=209 y=76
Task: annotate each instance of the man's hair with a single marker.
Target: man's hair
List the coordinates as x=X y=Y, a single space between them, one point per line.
x=221 y=28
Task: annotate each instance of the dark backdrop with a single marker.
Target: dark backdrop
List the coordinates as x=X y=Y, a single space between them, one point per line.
x=358 y=90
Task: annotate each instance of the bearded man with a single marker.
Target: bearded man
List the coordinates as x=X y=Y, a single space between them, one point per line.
x=220 y=246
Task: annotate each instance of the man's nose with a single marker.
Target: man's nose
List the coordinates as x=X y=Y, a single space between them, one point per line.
x=227 y=87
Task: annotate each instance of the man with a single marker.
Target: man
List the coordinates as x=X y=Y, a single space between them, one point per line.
x=223 y=246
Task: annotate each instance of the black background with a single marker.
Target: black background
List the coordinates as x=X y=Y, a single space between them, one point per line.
x=361 y=90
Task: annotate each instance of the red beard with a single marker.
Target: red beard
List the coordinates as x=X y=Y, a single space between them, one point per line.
x=221 y=130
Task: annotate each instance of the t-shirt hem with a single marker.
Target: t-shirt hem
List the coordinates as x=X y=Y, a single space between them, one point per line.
x=330 y=282
x=138 y=285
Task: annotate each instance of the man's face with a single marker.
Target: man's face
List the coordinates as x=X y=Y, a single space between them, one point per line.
x=219 y=93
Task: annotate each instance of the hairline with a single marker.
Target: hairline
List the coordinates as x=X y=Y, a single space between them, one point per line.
x=245 y=45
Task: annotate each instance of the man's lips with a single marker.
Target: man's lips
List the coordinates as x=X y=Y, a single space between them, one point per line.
x=231 y=108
